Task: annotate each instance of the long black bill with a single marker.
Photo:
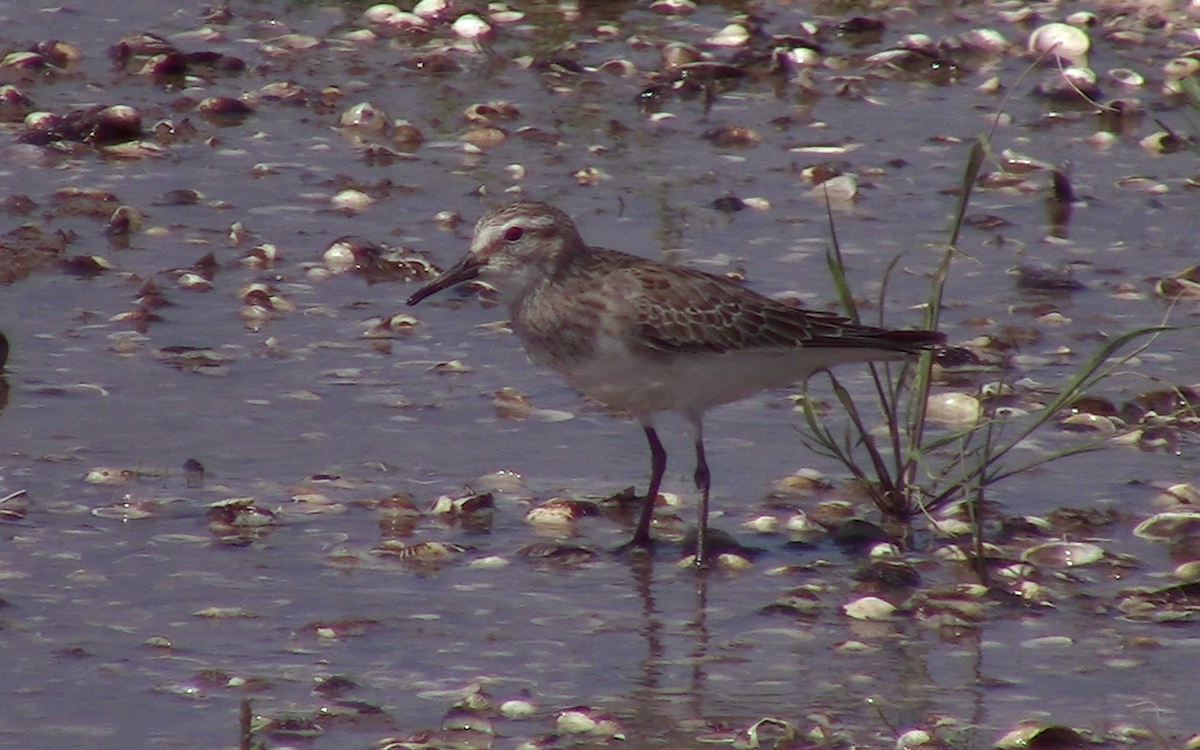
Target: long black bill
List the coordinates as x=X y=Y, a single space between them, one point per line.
x=464 y=270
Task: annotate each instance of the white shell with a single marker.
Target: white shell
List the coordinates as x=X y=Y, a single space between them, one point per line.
x=433 y=10
x=1126 y=77
x=1172 y=524
x=841 y=189
x=1060 y=41
x=352 y=200
x=869 y=608
x=471 y=27
x=762 y=525
x=733 y=35
x=365 y=116
x=984 y=40
x=1063 y=554
x=673 y=7
x=380 y=13
x=959 y=409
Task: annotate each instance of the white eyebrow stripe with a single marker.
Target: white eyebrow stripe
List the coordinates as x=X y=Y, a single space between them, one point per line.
x=534 y=222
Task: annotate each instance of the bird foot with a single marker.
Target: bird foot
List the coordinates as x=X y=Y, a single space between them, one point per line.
x=636 y=545
x=716 y=542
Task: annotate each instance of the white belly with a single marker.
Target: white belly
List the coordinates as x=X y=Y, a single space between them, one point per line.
x=692 y=383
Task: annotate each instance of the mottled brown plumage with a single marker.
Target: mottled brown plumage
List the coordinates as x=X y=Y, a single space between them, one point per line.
x=645 y=337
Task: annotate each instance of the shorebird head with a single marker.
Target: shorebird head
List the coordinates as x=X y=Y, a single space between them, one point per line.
x=514 y=247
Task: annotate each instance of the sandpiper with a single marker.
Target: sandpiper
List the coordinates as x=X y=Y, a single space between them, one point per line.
x=643 y=337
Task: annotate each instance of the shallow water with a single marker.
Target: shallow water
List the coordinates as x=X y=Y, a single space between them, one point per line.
x=108 y=635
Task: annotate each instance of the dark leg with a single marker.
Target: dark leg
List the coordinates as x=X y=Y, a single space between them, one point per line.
x=703 y=480
x=658 y=467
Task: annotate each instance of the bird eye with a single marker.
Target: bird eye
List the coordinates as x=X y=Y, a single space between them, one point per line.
x=512 y=234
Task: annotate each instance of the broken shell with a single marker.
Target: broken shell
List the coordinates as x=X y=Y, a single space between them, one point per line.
x=840 y=190
x=485 y=137
x=884 y=550
x=1164 y=142
x=835 y=514
x=366 y=117
x=1083 y=19
x=1031 y=734
x=224 y=109
x=108 y=475
x=392 y=18
x=889 y=574
x=560 y=511
x=1126 y=77
x=23 y=61
x=1169 y=526
x=502 y=14
x=260 y=256
x=1069 y=84
x=452 y=367
x=42 y=122
x=1177 y=497
x=805 y=482
x=14 y=104
x=125 y=509
x=622 y=68
x=1181 y=67
x=1084 y=422
x=961 y=605
x=402 y=323
x=725 y=561
x=1063 y=554
x=59 y=53
x=591 y=176
x=804 y=600
x=996 y=389
x=460 y=720
x=510 y=403
x=343 y=253
x=419 y=552
x=15 y=505
x=801 y=528
x=1015 y=572
x=678 y=54
x=491 y=562
x=486 y=113
x=123 y=221
x=584 y=720
x=236 y=515
x=762 y=525
x=950 y=527
x=732 y=135
x=557 y=554
x=798 y=57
